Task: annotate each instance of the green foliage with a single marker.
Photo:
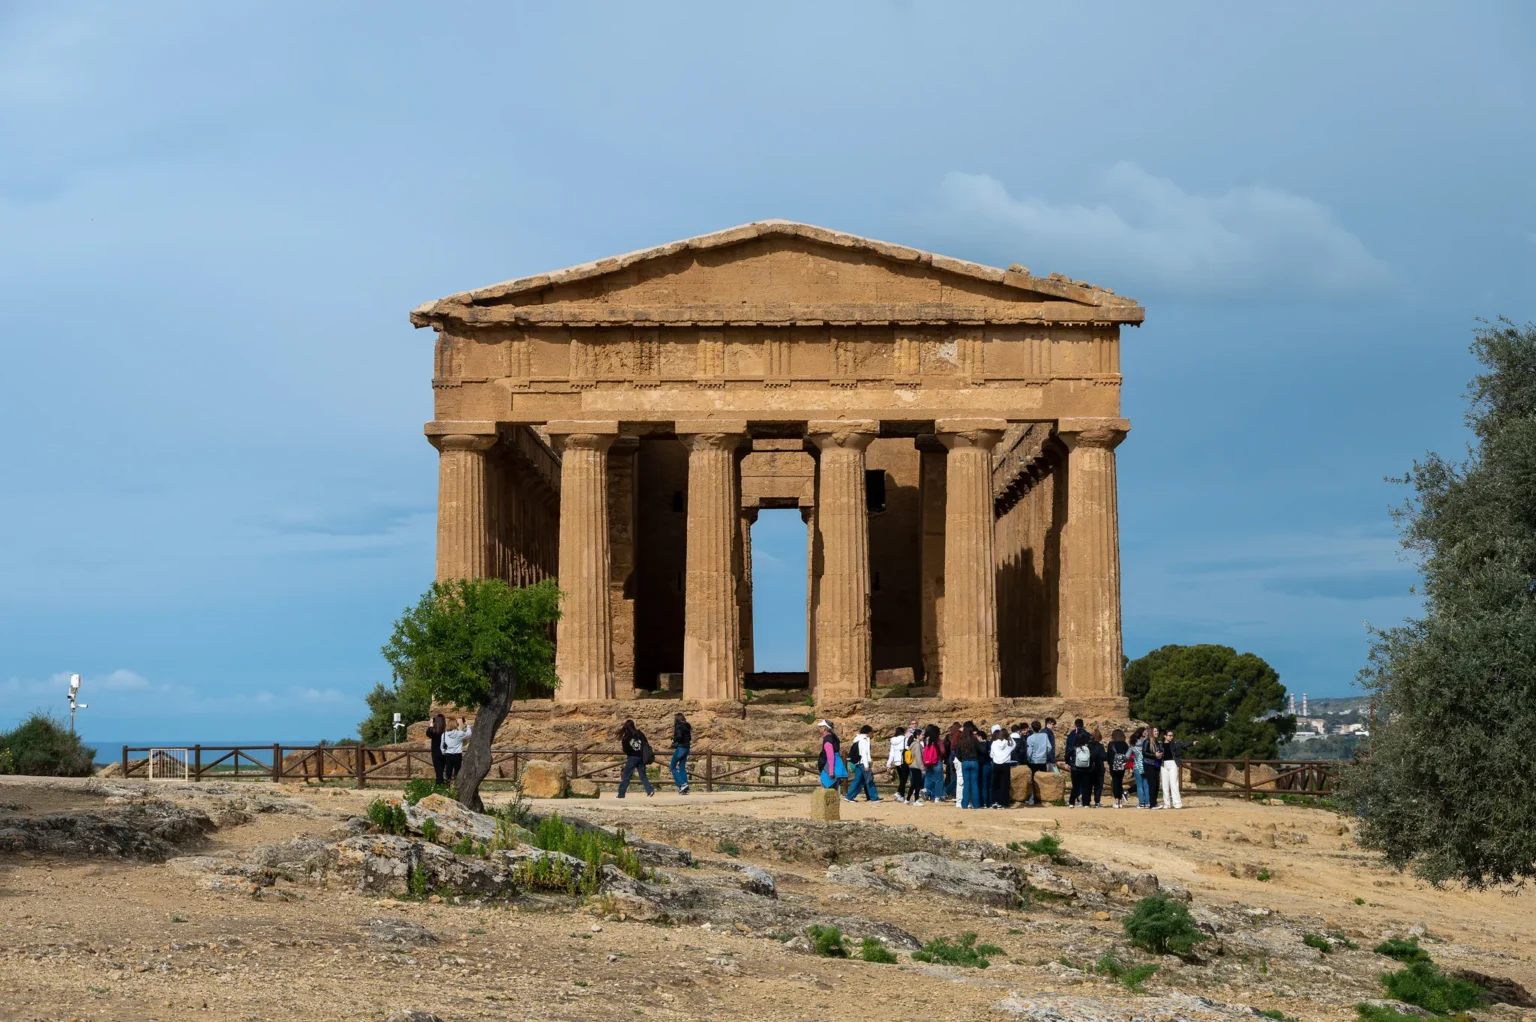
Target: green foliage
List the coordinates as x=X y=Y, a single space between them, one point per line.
x=728 y=847
x=465 y=845
x=1460 y=680
x=963 y=951
x=429 y=830
x=1048 y=845
x=593 y=846
x=517 y=812
x=1211 y=696
x=827 y=941
x=1163 y=926
x=43 y=746
x=418 y=882
x=1318 y=941
x=1405 y=951
x=418 y=788
x=410 y=698
x=1263 y=876
x=388 y=816
x=1132 y=977
x=1424 y=985
x=464 y=632
x=871 y=950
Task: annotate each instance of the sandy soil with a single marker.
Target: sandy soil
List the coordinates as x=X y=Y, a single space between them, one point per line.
x=111 y=940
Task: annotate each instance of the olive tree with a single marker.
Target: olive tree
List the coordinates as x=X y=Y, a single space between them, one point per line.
x=478 y=643
x=1444 y=789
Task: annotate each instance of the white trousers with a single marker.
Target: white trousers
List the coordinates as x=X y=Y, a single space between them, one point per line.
x=959 y=782
x=1171 y=795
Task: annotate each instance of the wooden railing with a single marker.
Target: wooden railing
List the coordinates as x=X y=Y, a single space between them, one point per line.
x=708 y=769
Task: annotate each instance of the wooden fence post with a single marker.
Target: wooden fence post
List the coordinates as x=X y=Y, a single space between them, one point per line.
x=277 y=763
x=576 y=765
x=362 y=771
x=197 y=762
x=709 y=771
x=1247 y=779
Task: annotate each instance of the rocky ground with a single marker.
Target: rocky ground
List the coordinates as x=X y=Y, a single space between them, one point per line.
x=121 y=900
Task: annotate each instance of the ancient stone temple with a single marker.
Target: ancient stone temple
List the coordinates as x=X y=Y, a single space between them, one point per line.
x=946 y=430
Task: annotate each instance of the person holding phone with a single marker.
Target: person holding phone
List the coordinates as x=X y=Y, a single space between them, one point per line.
x=453 y=750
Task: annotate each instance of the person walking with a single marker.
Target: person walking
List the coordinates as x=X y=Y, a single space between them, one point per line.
x=863 y=766
x=1119 y=752
x=435 y=742
x=1001 y=786
x=1037 y=749
x=637 y=755
x=453 y=750
x=1080 y=763
x=898 y=761
x=829 y=758
x=1152 y=766
x=1168 y=753
x=933 y=764
x=682 y=741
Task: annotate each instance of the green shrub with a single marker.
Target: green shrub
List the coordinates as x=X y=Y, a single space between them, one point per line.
x=411 y=699
x=1263 y=876
x=1132 y=977
x=728 y=847
x=595 y=847
x=1381 y=1013
x=389 y=817
x=418 y=883
x=516 y=812
x=465 y=845
x=1424 y=985
x=418 y=788
x=1162 y=925
x=1318 y=941
x=1048 y=845
x=429 y=831
x=964 y=952
x=827 y=941
x=1405 y=951
x=43 y=746
x=871 y=950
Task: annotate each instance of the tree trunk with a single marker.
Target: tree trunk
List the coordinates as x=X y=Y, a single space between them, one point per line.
x=477 y=754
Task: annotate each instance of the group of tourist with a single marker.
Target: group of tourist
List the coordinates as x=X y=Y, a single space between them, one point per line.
x=974 y=766
x=447 y=747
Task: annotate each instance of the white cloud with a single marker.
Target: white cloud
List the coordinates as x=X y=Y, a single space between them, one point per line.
x=1142 y=233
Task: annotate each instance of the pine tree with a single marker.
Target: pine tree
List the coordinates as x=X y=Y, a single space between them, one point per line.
x=1446 y=788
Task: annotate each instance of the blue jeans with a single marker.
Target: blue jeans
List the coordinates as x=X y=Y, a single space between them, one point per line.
x=983 y=783
x=679 y=767
x=933 y=782
x=632 y=766
x=969 y=796
x=863 y=781
x=1143 y=790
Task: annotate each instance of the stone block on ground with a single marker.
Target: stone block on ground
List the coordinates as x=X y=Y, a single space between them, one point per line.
x=982 y=883
x=543 y=779
x=583 y=787
x=826 y=804
x=1051 y=786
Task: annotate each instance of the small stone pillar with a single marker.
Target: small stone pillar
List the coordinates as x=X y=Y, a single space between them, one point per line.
x=844 y=655
x=711 y=620
x=970 y=656
x=1090 y=642
x=583 y=637
x=826 y=804
x=463 y=518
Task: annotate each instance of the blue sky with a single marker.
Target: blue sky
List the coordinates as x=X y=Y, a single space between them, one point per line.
x=216 y=216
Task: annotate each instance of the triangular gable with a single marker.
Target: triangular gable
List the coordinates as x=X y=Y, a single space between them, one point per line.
x=876 y=273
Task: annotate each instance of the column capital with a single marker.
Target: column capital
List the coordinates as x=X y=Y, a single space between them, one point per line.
x=854 y=434
x=749 y=513
x=462 y=441
x=982 y=434
x=711 y=434
x=1104 y=433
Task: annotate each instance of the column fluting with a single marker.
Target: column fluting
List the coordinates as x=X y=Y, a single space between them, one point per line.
x=970 y=653
x=463 y=512
x=711 y=620
x=844 y=655
x=1090 y=640
x=584 y=636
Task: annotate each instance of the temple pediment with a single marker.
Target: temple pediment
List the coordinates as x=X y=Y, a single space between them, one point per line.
x=777 y=272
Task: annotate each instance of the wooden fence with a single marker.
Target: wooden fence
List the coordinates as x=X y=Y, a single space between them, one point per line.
x=708 y=769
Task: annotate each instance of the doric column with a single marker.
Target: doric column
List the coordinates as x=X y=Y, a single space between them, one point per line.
x=931 y=501
x=970 y=667
x=711 y=621
x=808 y=516
x=1089 y=645
x=747 y=519
x=844 y=658
x=463 y=513
x=584 y=636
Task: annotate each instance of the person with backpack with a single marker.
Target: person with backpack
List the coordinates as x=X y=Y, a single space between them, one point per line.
x=933 y=764
x=682 y=741
x=898 y=762
x=1100 y=761
x=1038 y=751
x=1119 y=752
x=829 y=758
x=637 y=756
x=1000 y=785
x=863 y=767
x=1169 y=753
x=1080 y=763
